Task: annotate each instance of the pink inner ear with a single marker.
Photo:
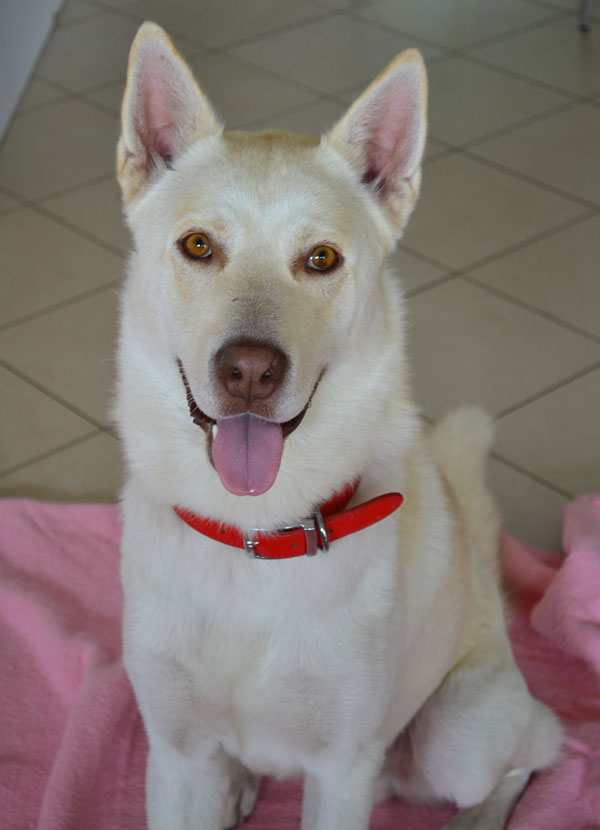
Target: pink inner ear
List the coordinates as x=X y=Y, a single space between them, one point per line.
x=161 y=141
x=160 y=109
x=392 y=146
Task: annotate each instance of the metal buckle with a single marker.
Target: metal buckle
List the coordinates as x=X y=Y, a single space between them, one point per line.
x=322 y=530
x=250 y=544
x=314 y=529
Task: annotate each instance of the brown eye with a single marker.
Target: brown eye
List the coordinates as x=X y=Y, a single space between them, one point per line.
x=323 y=258
x=196 y=246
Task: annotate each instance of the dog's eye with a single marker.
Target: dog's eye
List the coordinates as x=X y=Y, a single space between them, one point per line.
x=323 y=258
x=196 y=245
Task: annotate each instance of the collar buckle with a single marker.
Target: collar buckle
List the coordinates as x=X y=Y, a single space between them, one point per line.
x=315 y=536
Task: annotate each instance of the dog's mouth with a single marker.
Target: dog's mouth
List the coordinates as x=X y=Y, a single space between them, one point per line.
x=245 y=449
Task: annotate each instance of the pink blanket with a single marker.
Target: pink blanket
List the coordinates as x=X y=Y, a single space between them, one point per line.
x=72 y=745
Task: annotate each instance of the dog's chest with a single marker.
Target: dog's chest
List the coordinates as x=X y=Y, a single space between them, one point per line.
x=267 y=668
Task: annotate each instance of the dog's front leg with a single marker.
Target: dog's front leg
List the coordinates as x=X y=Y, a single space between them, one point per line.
x=338 y=794
x=205 y=792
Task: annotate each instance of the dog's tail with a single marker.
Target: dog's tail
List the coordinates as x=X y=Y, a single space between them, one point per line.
x=460 y=444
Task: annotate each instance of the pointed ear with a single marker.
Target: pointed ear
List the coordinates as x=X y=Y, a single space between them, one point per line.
x=163 y=110
x=382 y=135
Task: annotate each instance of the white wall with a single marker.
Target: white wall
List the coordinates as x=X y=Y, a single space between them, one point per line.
x=24 y=27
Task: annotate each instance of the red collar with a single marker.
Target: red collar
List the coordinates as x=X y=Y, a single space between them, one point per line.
x=328 y=523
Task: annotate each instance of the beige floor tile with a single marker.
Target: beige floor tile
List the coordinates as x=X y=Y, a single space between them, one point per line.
x=75 y=10
x=7 y=202
x=557 y=54
x=329 y=55
x=530 y=511
x=311 y=119
x=217 y=23
x=467 y=101
x=32 y=423
x=36 y=93
x=468 y=211
x=56 y=147
x=468 y=346
x=559 y=275
x=88 y=53
x=339 y=4
x=96 y=209
x=567 y=5
x=414 y=272
x=110 y=95
x=86 y=472
x=562 y=150
x=556 y=437
x=69 y=351
x=241 y=93
x=454 y=23
x=118 y=4
x=46 y=263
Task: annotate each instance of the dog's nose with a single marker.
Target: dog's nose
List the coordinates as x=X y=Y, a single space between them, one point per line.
x=251 y=371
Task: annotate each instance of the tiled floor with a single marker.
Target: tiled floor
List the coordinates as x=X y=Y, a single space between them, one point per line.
x=500 y=261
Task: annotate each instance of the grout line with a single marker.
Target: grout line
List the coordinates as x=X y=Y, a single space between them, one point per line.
x=39 y=207
x=519 y=30
x=531 y=475
x=49 y=453
x=134 y=17
x=548 y=390
x=574 y=12
x=516 y=174
x=67 y=24
x=446 y=51
x=74 y=188
x=437 y=263
x=68 y=94
x=547 y=5
x=48 y=214
x=258 y=122
x=84 y=295
x=463 y=274
x=76 y=229
x=433 y=283
x=455 y=50
x=546 y=315
x=82 y=97
x=557 y=109
x=280 y=77
x=318 y=17
x=525 y=243
x=519 y=76
x=271 y=73
x=41 y=388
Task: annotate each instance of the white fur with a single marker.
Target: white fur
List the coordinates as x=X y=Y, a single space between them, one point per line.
x=383 y=666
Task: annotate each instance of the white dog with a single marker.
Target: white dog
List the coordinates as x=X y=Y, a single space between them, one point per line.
x=263 y=385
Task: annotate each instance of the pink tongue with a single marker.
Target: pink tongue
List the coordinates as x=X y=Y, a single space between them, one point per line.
x=247 y=453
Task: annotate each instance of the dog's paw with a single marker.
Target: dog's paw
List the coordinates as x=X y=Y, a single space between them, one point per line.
x=242 y=796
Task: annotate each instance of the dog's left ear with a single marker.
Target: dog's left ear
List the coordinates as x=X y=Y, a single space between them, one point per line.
x=383 y=133
x=163 y=112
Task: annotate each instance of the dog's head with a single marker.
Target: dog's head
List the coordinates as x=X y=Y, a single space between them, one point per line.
x=257 y=287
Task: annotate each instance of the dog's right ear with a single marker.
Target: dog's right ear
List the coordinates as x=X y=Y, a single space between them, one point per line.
x=163 y=110
x=382 y=135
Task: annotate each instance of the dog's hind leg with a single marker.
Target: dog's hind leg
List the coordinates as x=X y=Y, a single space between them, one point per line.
x=493 y=812
x=476 y=741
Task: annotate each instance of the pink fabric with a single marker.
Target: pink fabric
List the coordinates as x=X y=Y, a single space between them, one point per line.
x=72 y=745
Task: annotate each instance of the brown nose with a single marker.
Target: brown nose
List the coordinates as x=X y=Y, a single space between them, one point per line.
x=251 y=371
